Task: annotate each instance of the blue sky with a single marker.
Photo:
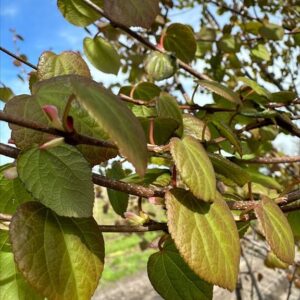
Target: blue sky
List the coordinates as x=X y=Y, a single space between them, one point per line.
x=44 y=28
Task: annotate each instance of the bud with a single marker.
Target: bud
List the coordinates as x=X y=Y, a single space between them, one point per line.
x=53 y=143
x=136 y=219
x=52 y=113
x=10 y=173
x=156 y=200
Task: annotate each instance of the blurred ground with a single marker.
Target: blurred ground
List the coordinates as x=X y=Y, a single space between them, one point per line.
x=264 y=284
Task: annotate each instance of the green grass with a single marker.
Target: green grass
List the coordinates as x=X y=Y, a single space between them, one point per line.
x=123 y=254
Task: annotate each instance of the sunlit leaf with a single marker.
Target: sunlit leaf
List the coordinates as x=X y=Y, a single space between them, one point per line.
x=261 y=52
x=58 y=177
x=166 y=269
x=272 y=261
x=221 y=90
x=132 y=12
x=195 y=127
x=194 y=167
x=60 y=257
x=255 y=87
x=206 y=237
x=12 y=283
x=68 y=62
x=102 y=55
x=145 y=91
x=5 y=93
x=79 y=13
x=277 y=230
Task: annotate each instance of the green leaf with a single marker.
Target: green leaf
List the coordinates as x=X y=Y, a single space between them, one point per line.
x=132 y=12
x=60 y=257
x=102 y=54
x=160 y=66
x=255 y=87
x=229 y=44
x=276 y=229
x=261 y=52
x=206 y=237
x=68 y=62
x=58 y=177
x=229 y=169
x=283 y=97
x=180 y=39
x=166 y=269
x=111 y=114
x=143 y=111
x=194 y=167
x=294 y=221
x=251 y=27
x=163 y=129
x=12 y=283
x=194 y=127
x=167 y=107
x=221 y=90
x=160 y=177
x=118 y=200
x=145 y=91
x=264 y=180
x=5 y=93
x=79 y=13
x=271 y=31
x=228 y=133
x=272 y=261
x=12 y=193
x=27 y=108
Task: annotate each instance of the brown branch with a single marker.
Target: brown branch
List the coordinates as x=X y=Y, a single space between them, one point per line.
x=147 y=192
x=18 y=58
x=71 y=137
x=270 y=160
x=114 y=228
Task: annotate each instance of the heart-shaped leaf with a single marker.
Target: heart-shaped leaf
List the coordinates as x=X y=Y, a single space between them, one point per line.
x=277 y=230
x=68 y=62
x=206 y=236
x=221 y=90
x=79 y=13
x=180 y=39
x=132 y=12
x=194 y=167
x=58 y=177
x=12 y=283
x=102 y=55
x=167 y=268
x=60 y=257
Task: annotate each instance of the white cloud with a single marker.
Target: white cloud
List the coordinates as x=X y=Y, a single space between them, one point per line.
x=9 y=11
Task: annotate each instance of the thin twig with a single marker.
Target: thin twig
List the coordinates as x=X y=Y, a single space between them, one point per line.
x=18 y=58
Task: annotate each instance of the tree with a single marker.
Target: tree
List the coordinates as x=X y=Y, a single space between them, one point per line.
x=212 y=168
